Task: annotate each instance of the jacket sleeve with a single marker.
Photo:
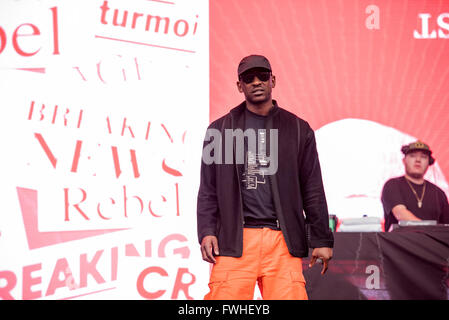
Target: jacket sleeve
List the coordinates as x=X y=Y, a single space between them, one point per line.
x=207 y=203
x=314 y=199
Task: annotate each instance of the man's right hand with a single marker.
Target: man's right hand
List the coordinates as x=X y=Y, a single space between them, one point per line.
x=209 y=247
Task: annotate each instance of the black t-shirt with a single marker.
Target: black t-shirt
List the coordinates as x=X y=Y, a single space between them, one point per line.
x=256 y=188
x=397 y=191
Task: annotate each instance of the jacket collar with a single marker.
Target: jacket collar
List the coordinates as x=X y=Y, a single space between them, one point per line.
x=239 y=110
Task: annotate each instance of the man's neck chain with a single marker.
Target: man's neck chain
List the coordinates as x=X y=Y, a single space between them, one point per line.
x=419 y=199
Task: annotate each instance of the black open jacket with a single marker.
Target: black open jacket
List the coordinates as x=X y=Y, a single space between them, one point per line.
x=297 y=186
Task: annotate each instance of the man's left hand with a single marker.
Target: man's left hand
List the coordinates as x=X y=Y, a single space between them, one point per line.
x=324 y=254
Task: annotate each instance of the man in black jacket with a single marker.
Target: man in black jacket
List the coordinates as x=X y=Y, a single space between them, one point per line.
x=251 y=223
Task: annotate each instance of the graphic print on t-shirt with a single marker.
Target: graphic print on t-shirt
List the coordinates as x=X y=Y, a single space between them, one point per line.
x=256 y=181
x=256 y=163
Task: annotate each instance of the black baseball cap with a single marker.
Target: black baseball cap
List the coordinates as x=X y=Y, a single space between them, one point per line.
x=253 y=61
x=418 y=146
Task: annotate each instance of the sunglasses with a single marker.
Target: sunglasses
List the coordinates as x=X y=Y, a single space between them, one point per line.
x=261 y=75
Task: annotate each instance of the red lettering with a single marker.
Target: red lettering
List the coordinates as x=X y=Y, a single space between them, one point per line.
x=109 y=65
x=54 y=12
x=51 y=156
x=114 y=263
x=131 y=251
x=177 y=200
x=166 y=131
x=125 y=201
x=148 y=250
x=148 y=130
x=186 y=28
x=30 y=114
x=118 y=171
x=137 y=68
x=158 y=22
x=16 y=34
x=79 y=71
x=76 y=206
x=135 y=16
x=170 y=170
x=196 y=26
x=104 y=8
x=138 y=21
x=11 y=281
x=54 y=114
x=42 y=112
x=34 y=32
x=109 y=125
x=184 y=251
x=61 y=276
x=99 y=72
x=151 y=210
x=134 y=163
x=2 y=39
x=124 y=73
x=67 y=110
x=47 y=150
x=115 y=158
x=178 y=286
x=124 y=18
x=124 y=204
x=29 y=281
x=126 y=126
x=62 y=266
x=140 y=280
x=76 y=155
x=181 y=286
x=79 y=119
x=87 y=268
x=99 y=211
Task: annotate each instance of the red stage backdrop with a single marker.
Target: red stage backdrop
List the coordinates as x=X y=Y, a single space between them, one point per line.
x=104 y=105
x=382 y=64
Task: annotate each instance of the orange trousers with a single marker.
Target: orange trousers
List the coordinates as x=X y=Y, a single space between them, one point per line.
x=265 y=260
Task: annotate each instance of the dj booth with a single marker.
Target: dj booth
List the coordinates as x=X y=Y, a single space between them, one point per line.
x=409 y=263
